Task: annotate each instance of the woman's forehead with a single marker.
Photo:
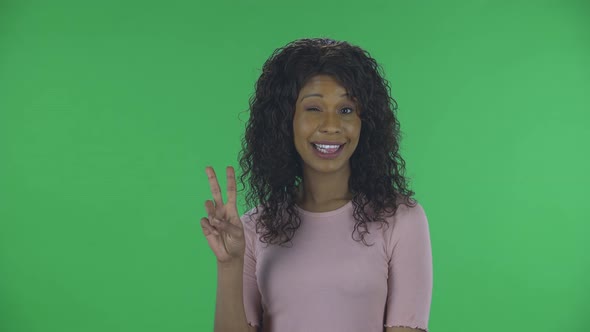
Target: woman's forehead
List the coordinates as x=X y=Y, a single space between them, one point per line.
x=321 y=85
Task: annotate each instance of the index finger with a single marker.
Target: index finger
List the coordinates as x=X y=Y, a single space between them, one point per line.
x=231 y=186
x=215 y=191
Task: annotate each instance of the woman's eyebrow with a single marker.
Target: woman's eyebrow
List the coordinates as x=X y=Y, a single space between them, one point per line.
x=319 y=95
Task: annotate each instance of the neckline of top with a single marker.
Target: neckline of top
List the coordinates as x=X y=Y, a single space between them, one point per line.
x=339 y=210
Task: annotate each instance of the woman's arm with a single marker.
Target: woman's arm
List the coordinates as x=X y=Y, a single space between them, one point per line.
x=225 y=235
x=229 y=309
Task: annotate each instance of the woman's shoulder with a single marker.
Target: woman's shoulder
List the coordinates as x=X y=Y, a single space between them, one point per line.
x=409 y=220
x=250 y=217
x=405 y=207
x=409 y=209
x=407 y=213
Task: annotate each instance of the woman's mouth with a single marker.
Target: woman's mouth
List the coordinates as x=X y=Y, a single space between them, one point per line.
x=327 y=151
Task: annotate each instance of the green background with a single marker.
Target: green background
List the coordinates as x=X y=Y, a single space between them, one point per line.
x=110 y=111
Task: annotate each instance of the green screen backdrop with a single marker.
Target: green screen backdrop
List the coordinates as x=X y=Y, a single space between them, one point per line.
x=110 y=111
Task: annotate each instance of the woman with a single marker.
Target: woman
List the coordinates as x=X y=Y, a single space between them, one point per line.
x=335 y=243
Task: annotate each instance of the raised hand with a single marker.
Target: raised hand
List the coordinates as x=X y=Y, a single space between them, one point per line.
x=222 y=226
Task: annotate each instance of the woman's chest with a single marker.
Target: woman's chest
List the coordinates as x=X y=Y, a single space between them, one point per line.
x=336 y=267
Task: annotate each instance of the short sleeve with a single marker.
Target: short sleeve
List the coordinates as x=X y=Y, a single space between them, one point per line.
x=409 y=292
x=252 y=303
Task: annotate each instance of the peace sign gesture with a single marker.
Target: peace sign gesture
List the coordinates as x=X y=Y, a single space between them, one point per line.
x=222 y=226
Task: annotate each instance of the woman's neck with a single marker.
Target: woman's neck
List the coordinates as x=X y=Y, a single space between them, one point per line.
x=322 y=192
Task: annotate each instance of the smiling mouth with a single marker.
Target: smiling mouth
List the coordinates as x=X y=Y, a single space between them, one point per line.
x=327 y=148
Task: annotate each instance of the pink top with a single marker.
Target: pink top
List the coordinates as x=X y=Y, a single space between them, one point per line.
x=326 y=281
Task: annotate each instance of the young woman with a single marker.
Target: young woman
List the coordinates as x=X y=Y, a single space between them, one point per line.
x=335 y=241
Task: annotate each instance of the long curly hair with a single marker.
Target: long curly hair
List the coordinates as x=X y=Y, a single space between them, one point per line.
x=270 y=162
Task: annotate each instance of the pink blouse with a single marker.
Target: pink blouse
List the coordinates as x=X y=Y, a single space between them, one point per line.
x=326 y=281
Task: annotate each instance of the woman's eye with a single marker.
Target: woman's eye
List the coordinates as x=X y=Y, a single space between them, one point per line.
x=346 y=110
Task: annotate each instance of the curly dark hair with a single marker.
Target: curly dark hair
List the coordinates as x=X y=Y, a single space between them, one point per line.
x=270 y=162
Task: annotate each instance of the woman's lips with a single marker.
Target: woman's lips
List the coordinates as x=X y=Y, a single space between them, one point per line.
x=327 y=155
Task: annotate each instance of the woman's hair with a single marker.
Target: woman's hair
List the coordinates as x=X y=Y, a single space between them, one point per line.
x=270 y=162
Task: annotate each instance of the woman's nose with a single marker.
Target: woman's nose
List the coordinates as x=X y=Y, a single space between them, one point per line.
x=330 y=123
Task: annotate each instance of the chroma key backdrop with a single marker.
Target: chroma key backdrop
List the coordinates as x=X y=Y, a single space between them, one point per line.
x=111 y=110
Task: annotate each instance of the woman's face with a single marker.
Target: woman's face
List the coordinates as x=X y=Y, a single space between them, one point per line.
x=326 y=125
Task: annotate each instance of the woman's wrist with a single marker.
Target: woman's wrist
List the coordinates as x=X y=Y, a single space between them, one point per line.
x=234 y=264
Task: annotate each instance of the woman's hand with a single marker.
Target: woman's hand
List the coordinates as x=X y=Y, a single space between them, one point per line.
x=223 y=227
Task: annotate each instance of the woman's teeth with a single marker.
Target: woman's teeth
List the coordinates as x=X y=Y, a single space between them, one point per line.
x=326 y=148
